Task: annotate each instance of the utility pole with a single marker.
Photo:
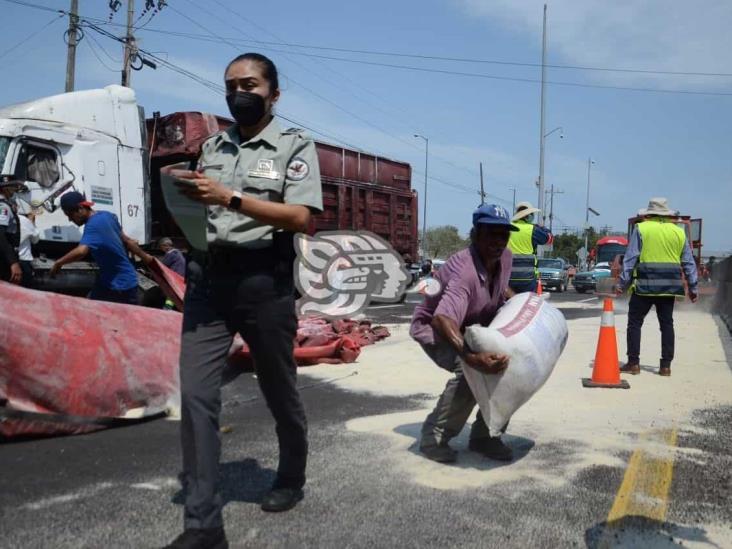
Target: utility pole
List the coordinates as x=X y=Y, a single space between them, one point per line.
x=129 y=44
x=482 y=192
x=542 y=137
x=424 y=215
x=514 y=199
x=72 y=41
x=552 y=192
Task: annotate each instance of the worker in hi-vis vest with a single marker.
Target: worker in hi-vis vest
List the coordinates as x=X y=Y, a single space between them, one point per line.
x=657 y=253
x=523 y=243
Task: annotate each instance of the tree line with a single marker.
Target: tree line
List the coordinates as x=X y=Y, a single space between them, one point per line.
x=443 y=241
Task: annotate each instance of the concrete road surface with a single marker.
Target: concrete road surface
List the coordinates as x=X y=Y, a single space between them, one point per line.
x=645 y=467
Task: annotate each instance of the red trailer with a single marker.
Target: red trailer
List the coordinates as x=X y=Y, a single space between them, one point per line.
x=361 y=191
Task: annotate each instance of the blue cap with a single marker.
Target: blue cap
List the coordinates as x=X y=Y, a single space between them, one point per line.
x=73 y=199
x=493 y=214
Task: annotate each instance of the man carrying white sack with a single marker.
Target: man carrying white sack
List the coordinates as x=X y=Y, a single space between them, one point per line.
x=468 y=289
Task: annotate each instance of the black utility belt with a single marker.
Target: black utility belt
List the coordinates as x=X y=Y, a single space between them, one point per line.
x=224 y=256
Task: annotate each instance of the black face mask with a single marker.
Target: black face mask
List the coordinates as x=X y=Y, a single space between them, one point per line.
x=247 y=108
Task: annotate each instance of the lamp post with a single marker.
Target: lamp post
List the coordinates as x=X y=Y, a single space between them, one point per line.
x=590 y=162
x=542 y=201
x=424 y=207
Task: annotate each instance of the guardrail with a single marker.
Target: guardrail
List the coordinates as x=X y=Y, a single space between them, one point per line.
x=722 y=275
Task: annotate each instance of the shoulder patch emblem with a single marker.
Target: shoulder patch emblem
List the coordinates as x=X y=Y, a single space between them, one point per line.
x=298 y=169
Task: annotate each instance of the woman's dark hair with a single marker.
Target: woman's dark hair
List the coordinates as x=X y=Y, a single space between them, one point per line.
x=269 y=70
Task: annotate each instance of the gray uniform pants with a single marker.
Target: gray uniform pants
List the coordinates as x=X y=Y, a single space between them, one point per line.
x=249 y=298
x=455 y=404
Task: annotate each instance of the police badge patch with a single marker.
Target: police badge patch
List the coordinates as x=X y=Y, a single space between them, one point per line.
x=298 y=169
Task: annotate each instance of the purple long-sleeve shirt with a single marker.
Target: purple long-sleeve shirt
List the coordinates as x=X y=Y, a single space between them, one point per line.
x=465 y=294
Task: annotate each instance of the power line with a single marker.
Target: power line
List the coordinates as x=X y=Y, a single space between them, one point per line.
x=101 y=47
x=101 y=61
x=359 y=87
x=32 y=35
x=477 y=75
x=308 y=89
x=217 y=38
x=412 y=55
x=516 y=79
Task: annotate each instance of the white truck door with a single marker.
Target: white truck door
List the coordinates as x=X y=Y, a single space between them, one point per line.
x=100 y=176
x=132 y=176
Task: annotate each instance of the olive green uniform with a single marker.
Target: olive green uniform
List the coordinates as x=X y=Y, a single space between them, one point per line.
x=244 y=284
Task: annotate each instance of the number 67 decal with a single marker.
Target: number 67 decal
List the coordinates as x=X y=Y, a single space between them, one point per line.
x=133 y=210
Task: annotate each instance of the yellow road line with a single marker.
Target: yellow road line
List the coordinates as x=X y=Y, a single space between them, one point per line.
x=647 y=481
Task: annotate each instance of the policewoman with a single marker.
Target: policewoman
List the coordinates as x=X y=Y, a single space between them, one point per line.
x=261 y=184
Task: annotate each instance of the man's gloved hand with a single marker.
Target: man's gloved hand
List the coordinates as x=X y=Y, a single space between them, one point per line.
x=693 y=296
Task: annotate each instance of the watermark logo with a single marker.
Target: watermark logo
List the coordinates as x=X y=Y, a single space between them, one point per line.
x=339 y=272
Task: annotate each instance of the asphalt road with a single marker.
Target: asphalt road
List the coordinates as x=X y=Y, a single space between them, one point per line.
x=118 y=488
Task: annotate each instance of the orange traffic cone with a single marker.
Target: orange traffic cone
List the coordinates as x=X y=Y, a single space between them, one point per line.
x=606 y=372
x=538 y=288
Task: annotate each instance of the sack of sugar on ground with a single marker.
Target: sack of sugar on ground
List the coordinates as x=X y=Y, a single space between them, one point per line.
x=532 y=333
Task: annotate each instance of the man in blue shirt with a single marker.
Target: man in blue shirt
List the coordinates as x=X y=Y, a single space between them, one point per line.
x=103 y=237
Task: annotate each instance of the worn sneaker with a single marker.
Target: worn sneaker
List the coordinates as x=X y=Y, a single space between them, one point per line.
x=664 y=371
x=492 y=447
x=441 y=453
x=200 y=538
x=629 y=368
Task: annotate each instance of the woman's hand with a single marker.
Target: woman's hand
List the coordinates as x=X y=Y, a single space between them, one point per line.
x=205 y=190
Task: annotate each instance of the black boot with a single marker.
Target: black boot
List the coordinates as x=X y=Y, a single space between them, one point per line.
x=281 y=499
x=200 y=538
x=441 y=453
x=491 y=447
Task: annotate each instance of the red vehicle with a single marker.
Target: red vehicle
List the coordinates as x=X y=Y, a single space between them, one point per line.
x=360 y=190
x=608 y=248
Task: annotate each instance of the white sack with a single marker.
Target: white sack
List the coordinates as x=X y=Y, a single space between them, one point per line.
x=532 y=333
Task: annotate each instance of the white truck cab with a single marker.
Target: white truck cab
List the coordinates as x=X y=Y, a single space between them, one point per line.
x=91 y=141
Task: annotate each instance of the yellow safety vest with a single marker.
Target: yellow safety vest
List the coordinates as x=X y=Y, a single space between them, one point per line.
x=658 y=272
x=521 y=245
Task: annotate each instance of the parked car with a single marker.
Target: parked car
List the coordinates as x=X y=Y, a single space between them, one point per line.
x=553 y=273
x=587 y=280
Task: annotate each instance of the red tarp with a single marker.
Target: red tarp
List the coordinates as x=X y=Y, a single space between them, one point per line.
x=69 y=365
x=68 y=355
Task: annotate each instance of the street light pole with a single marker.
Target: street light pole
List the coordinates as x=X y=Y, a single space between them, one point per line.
x=424 y=207
x=542 y=137
x=590 y=162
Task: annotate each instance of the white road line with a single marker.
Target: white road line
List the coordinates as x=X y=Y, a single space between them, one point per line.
x=65 y=498
x=587 y=300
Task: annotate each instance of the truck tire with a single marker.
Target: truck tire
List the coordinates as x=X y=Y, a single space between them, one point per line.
x=580 y=290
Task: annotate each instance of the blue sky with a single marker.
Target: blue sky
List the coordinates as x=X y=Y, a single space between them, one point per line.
x=644 y=144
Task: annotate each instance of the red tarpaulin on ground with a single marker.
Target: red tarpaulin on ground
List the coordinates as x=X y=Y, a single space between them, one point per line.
x=69 y=365
x=72 y=356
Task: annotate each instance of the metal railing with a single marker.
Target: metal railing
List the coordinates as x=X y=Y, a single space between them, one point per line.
x=722 y=276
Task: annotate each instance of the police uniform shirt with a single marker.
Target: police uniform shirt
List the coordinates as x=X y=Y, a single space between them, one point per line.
x=9 y=220
x=276 y=165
